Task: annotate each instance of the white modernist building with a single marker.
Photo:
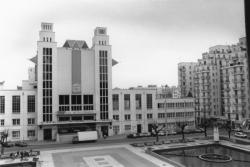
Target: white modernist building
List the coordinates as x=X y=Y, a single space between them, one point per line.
x=70 y=89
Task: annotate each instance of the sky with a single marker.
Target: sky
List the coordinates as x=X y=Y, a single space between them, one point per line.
x=148 y=37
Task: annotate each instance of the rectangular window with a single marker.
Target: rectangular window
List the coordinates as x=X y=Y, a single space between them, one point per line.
x=127 y=127
x=2 y=104
x=161 y=105
x=127 y=101
x=127 y=117
x=63 y=118
x=16 y=104
x=138 y=101
x=138 y=116
x=76 y=118
x=76 y=102
x=16 y=121
x=116 y=117
x=16 y=134
x=149 y=101
x=115 y=99
x=161 y=115
x=31 y=103
x=63 y=102
x=149 y=116
x=63 y=99
x=88 y=102
x=31 y=133
x=116 y=129
x=31 y=121
x=2 y=122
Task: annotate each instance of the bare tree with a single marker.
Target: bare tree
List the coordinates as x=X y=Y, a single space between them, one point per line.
x=205 y=125
x=228 y=127
x=182 y=125
x=156 y=129
x=4 y=137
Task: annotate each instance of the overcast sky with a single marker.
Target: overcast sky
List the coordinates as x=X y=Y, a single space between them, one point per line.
x=148 y=37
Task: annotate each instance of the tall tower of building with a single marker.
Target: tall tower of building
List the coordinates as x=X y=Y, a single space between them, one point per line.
x=221 y=84
x=103 y=74
x=46 y=80
x=186 y=72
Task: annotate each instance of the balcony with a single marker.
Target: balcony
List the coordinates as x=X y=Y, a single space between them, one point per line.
x=75 y=112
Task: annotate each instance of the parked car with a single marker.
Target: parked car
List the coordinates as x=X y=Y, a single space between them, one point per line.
x=199 y=130
x=144 y=134
x=240 y=134
x=162 y=133
x=133 y=135
x=237 y=130
x=21 y=144
x=8 y=144
x=172 y=132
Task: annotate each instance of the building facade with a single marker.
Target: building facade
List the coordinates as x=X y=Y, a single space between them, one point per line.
x=137 y=109
x=70 y=89
x=221 y=87
x=186 y=71
x=18 y=114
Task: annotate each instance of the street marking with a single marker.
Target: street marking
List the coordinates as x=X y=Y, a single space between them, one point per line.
x=102 y=161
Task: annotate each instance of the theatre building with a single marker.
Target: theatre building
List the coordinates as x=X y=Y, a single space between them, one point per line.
x=69 y=90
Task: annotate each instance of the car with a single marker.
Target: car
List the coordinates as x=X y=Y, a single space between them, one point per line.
x=199 y=130
x=144 y=134
x=162 y=133
x=237 y=130
x=8 y=144
x=240 y=134
x=133 y=135
x=172 y=132
x=21 y=144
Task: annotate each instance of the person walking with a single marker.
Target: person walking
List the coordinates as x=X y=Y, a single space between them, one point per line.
x=21 y=155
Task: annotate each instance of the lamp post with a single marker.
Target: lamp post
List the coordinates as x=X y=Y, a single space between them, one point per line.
x=164 y=92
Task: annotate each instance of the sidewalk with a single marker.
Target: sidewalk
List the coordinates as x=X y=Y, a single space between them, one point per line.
x=109 y=138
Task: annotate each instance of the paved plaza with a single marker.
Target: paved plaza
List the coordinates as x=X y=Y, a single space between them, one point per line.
x=106 y=156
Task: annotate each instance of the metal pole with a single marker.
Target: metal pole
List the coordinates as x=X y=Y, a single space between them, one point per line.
x=165 y=108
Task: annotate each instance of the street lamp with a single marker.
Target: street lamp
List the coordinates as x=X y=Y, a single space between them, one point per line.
x=164 y=89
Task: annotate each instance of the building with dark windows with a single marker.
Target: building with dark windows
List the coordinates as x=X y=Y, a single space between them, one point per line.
x=70 y=89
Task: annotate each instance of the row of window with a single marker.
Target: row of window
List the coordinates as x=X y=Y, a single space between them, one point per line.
x=16 y=104
x=76 y=118
x=75 y=99
x=116 y=128
x=76 y=102
x=138 y=99
x=103 y=67
x=47 y=84
x=16 y=121
x=127 y=117
x=16 y=133
x=175 y=105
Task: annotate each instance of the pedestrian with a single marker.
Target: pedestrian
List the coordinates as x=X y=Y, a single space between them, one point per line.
x=30 y=153
x=17 y=154
x=21 y=155
x=12 y=156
